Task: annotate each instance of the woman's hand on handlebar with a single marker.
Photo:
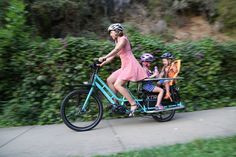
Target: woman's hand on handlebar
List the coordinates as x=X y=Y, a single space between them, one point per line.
x=100 y=64
x=102 y=59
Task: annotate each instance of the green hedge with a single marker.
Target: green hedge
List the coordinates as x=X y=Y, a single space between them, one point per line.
x=207 y=67
x=35 y=75
x=48 y=70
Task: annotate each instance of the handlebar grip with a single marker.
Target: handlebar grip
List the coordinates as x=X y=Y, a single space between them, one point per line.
x=95 y=62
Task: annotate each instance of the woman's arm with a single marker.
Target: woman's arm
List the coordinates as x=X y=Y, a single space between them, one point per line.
x=108 y=60
x=117 y=48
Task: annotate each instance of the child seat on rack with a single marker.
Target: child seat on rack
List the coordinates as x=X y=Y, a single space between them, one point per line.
x=173 y=74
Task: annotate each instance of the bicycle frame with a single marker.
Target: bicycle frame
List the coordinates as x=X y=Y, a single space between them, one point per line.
x=98 y=83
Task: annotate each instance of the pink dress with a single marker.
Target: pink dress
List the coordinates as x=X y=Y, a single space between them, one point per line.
x=130 y=69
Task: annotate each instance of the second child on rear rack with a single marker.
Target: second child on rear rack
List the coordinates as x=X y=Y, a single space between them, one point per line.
x=146 y=60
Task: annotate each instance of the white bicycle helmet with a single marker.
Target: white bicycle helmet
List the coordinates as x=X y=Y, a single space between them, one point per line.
x=147 y=57
x=115 y=27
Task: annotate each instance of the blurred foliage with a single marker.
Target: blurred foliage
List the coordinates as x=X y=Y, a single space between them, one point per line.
x=14 y=39
x=176 y=11
x=36 y=74
x=207 y=71
x=56 y=17
x=3 y=6
x=227 y=14
x=52 y=68
x=59 y=18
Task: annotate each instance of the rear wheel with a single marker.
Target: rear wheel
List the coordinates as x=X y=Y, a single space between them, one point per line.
x=164 y=116
x=78 y=118
x=174 y=94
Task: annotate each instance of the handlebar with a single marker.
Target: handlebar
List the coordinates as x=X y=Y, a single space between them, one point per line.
x=95 y=62
x=95 y=68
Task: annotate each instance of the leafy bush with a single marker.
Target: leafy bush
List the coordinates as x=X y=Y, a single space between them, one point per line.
x=36 y=74
x=227 y=15
x=49 y=70
x=3 y=6
x=14 y=38
x=205 y=69
x=176 y=11
x=56 y=18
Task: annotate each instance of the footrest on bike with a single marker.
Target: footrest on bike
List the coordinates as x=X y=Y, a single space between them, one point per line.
x=166 y=109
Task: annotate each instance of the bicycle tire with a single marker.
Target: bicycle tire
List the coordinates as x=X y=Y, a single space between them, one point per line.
x=160 y=118
x=73 y=115
x=175 y=95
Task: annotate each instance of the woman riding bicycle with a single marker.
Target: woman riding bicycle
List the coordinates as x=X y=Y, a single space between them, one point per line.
x=130 y=69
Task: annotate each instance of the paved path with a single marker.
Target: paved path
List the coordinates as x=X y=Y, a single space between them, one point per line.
x=117 y=135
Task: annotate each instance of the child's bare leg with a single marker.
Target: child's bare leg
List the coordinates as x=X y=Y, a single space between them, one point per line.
x=119 y=87
x=160 y=95
x=167 y=87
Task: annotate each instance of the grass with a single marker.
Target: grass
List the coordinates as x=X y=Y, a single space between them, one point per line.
x=219 y=147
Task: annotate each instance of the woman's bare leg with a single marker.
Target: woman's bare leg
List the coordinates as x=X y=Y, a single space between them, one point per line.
x=119 y=87
x=110 y=82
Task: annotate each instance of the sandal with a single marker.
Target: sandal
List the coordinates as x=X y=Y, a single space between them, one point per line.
x=131 y=113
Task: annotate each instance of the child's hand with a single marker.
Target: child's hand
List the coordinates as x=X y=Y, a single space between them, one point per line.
x=156 y=73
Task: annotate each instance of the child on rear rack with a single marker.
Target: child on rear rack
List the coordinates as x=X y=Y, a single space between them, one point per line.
x=149 y=86
x=169 y=70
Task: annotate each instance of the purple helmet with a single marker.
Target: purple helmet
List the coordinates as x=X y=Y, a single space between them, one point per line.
x=147 y=57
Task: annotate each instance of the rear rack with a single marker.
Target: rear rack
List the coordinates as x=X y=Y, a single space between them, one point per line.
x=167 y=109
x=158 y=79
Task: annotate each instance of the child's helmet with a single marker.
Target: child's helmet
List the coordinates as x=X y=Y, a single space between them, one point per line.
x=167 y=55
x=147 y=57
x=115 y=27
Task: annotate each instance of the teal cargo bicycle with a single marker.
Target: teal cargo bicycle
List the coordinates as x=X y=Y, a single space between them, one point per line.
x=82 y=109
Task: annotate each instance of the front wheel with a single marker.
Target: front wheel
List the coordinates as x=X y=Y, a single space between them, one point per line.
x=164 y=116
x=76 y=115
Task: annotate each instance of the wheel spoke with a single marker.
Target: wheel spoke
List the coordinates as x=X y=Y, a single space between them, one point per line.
x=72 y=113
